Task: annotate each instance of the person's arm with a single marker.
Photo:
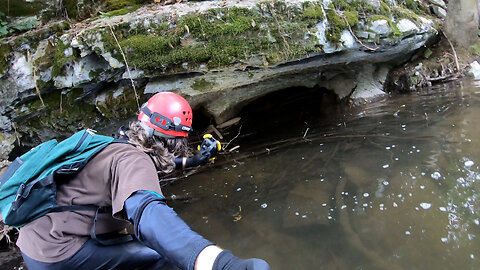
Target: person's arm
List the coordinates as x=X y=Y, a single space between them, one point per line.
x=160 y=228
x=207 y=151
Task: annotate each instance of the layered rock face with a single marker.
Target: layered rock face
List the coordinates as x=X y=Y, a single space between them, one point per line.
x=219 y=55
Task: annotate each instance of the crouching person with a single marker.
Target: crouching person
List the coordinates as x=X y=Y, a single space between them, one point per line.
x=123 y=178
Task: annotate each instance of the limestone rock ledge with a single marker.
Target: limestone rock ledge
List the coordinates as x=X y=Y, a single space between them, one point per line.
x=220 y=55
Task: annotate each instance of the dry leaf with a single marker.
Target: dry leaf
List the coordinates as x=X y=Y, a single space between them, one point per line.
x=253 y=23
x=187 y=42
x=186 y=28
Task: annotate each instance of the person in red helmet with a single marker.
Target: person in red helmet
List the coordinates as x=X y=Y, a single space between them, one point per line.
x=124 y=176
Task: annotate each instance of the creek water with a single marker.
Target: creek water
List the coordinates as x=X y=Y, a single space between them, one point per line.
x=388 y=185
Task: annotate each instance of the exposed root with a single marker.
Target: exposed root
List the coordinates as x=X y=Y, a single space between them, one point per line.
x=126 y=65
x=16 y=133
x=453 y=50
x=356 y=38
x=36 y=87
x=4 y=232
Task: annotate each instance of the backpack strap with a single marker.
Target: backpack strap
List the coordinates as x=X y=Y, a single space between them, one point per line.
x=105 y=240
x=24 y=190
x=10 y=171
x=121 y=133
x=64 y=208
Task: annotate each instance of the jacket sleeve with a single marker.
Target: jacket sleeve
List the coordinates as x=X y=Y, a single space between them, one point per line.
x=161 y=229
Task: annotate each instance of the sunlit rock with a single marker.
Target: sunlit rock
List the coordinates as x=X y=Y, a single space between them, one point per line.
x=83 y=71
x=6 y=144
x=407 y=27
x=474 y=70
x=380 y=27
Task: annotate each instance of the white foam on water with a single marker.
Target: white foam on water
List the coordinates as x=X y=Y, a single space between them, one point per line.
x=426 y=205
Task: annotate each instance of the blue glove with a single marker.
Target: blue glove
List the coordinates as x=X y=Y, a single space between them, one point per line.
x=227 y=261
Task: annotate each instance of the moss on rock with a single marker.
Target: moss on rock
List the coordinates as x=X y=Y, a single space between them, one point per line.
x=220 y=37
x=400 y=13
x=313 y=11
x=202 y=85
x=60 y=112
x=120 y=105
x=5 y=50
x=21 y=8
x=337 y=25
x=61 y=57
x=393 y=26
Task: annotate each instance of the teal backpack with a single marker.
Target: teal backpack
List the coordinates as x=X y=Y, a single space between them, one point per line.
x=28 y=187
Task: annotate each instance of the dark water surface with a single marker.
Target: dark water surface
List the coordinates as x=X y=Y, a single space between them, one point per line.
x=390 y=185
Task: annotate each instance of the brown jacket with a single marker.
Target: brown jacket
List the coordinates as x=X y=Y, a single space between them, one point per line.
x=107 y=180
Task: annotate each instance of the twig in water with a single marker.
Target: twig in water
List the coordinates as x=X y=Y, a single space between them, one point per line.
x=126 y=64
x=186 y=174
x=234 y=148
x=226 y=146
x=441 y=78
x=305 y=134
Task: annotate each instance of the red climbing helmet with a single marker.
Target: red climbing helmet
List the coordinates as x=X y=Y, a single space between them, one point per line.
x=166 y=114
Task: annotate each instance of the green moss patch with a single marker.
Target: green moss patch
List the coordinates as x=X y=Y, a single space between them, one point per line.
x=391 y=24
x=342 y=14
x=400 y=13
x=359 y=6
x=84 y=9
x=47 y=60
x=21 y=8
x=60 y=58
x=220 y=37
x=5 y=50
x=117 y=12
x=61 y=112
x=122 y=106
x=337 y=25
x=202 y=85
x=313 y=11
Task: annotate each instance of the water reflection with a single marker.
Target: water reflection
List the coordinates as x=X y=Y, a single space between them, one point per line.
x=393 y=185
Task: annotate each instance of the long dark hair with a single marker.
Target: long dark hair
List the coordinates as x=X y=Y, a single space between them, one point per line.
x=163 y=150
